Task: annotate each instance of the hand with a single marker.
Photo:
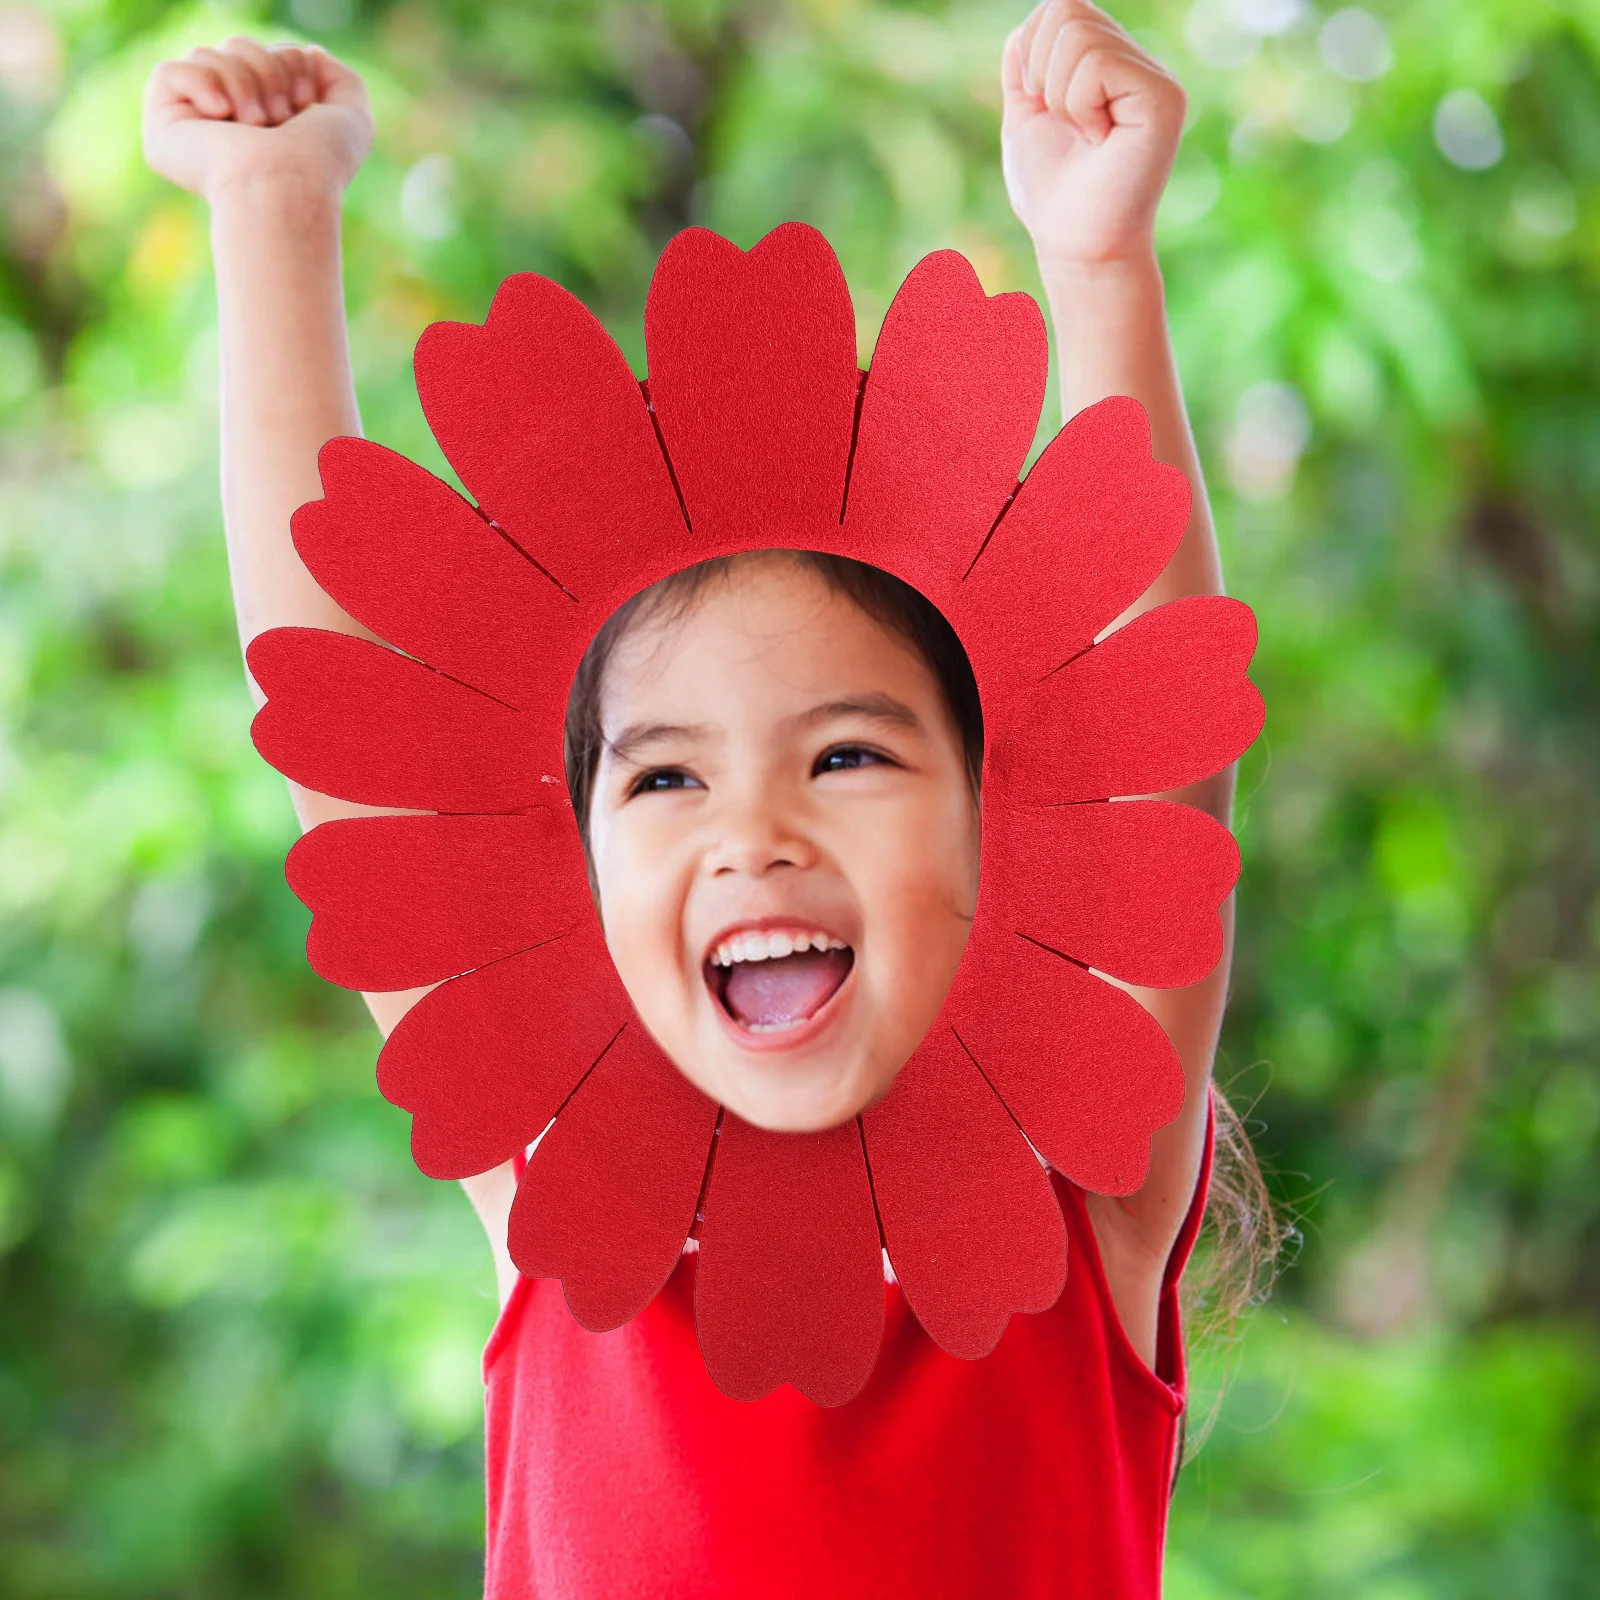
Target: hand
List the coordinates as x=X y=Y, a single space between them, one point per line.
x=1091 y=126
x=233 y=115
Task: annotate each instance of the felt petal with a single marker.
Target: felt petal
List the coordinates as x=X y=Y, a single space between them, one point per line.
x=348 y=718
x=753 y=378
x=609 y=1195
x=789 y=1286
x=540 y=415
x=1162 y=702
x=401 y=901
x=406 y=555
x=484 y=1061
x=1129 y=887
x=1080 y=1064
x=1091 y=527
x=973 y=1228
x=948 y=412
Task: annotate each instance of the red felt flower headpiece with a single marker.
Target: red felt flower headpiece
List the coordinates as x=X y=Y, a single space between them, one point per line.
x=756 y=430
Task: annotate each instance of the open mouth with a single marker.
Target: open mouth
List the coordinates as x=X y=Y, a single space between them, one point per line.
x=777 y=979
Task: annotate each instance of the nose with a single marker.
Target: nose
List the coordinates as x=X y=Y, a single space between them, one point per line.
x=755 y=836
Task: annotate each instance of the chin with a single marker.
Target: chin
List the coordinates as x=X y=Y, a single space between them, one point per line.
x=793 y=1094
x=783 y=1101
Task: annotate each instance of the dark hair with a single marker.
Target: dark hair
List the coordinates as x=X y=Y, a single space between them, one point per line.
x=1243 y=1233
x=885 y=598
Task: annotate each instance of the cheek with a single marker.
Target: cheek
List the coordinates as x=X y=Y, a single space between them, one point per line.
x=640 y=907
x=918 y=878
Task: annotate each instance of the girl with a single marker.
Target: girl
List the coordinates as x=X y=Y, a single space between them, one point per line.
x=773 y=762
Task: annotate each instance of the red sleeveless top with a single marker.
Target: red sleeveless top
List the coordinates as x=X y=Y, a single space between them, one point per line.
x=616 y=1468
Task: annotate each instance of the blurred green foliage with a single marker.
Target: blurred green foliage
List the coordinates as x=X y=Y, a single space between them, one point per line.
x=239 y=1333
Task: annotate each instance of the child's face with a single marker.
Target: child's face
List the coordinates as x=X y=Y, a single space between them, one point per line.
x=780 y=772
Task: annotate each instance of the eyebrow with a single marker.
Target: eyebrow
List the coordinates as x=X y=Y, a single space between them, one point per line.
x=874 y=707
x=639 y=735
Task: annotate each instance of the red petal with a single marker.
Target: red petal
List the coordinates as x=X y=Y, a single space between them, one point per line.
x=1130 y=887
x=790 y=1282
x=973 y=1227
x=949 y=410
x=753 y=377
x=485 y=1061
x=1161 y=703
x=1080 y=1064
x=349 y=718
x=542 y=418
x=1093 y=524
x=402 y=901
x=610 y=1194
x=406 y=555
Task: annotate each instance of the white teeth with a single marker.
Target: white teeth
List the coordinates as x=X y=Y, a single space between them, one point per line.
x=772 y=946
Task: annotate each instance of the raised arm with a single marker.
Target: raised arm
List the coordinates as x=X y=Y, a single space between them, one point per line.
x=271 y=138
x=1092 y=123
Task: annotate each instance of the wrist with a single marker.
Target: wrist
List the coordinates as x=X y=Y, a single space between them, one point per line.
x=1111 y=289
x=297 y=185
x=1138 y=269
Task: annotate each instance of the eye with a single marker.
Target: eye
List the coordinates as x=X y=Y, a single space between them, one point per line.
x=848 y=758
x=659 y=780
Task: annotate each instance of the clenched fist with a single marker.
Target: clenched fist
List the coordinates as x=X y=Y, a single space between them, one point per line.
x=241 y=112
x=1091 y=126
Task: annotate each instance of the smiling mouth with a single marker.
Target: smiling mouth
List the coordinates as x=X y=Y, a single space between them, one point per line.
x=773 y=981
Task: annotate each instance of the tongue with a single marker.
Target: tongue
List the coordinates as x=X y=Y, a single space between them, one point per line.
x=772 y=994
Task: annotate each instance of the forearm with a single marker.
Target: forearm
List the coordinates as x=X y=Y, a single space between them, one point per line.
x=1111 y=338
x=286 y=390
x=286 y=387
